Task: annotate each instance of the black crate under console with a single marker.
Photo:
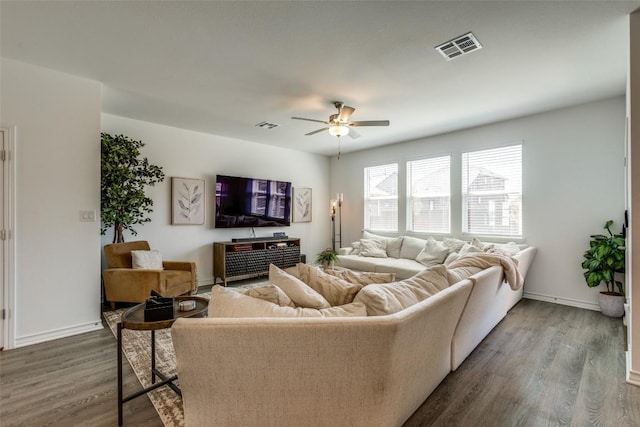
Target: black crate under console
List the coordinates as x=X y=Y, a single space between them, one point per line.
x=247 y=259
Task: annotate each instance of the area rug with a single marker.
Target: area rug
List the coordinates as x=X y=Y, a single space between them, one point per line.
x=136 y=346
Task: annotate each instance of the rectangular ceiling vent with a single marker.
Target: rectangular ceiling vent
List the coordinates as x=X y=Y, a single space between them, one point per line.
x=459 y=46
x=267 y=125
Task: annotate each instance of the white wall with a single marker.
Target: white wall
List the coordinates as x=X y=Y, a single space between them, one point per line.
x=633 y=241
x=573 y=181
x=57 y=122
x=189 y=154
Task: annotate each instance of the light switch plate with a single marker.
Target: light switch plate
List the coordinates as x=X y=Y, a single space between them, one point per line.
x=87 y=216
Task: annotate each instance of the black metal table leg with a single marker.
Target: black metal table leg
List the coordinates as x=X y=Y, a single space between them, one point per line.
x=153 y=357
x=120 y=401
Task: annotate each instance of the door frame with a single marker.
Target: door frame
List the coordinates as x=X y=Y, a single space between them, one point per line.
x=9 y=243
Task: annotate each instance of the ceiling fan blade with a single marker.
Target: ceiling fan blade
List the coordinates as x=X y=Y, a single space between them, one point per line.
x=310 y=120
x=370 y=123
x=353 y=134
x=345 y=113
x=316 y=131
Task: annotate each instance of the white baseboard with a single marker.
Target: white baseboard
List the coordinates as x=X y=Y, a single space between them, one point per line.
x=562 y=301
x=58 y=333
x=633 y=377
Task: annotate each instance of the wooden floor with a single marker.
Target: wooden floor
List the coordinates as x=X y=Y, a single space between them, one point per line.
x=543 y=365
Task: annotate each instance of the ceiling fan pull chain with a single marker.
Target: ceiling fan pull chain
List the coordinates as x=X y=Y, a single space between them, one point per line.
x=338 y=148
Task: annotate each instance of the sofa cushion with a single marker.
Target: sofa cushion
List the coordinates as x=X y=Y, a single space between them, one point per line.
x=434 y=252
x=300 y=293
x=362 y=277
x=411 y=247
x=393 y=243
x=403 y=268
x=389 y=298
x=227 y=302
x=270 y=293
x=358 y=262
x=146 y=260
x=373 y=248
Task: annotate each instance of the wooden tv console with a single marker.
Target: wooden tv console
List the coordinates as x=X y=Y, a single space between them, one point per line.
x=247 y=259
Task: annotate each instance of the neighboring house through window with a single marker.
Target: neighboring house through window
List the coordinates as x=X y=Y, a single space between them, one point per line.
x=492 y=191
x=381 y=197
x=428 y=195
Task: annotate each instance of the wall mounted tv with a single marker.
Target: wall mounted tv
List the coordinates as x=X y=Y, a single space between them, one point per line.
x=250 y=202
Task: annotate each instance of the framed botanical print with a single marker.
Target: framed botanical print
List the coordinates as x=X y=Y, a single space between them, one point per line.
x=301 y=204
x=187 y=201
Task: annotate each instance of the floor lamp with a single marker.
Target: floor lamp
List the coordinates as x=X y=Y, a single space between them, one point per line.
x=336 y=207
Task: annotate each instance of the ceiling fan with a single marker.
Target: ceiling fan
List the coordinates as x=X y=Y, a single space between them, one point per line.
x=340 y=125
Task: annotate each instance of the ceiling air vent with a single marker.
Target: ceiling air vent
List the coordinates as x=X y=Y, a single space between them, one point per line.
x=267 y=125
x=459 y=46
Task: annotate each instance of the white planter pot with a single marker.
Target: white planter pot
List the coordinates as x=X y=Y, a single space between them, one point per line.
x=611 y=305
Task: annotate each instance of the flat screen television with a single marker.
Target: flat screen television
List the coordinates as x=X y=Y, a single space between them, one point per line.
x=250 y=202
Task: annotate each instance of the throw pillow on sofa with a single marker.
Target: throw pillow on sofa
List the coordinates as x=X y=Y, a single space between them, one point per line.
x=389 y=298
x=335 y=290
x=300 y=293
x=227 y=302
x=411 y=247
x=270 y=293
x=373 y=248
x=433 y=253
x=393 y=243
x=453 y=244
x=508 y=249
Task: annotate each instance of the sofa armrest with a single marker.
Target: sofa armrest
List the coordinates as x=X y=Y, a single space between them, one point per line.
x=127 y=284
x=184 y=266
x=525 y=258
x=345 y=251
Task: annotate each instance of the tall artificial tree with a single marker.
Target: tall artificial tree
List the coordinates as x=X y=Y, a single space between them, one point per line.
x=124 y=177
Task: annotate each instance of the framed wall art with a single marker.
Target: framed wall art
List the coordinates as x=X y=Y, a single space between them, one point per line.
x=301 y=204
x=187 y=201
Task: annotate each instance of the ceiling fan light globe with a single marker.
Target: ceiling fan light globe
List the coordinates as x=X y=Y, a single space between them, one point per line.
x=339 y=130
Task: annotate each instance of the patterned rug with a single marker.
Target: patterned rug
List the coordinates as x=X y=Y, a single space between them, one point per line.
x=136 y=346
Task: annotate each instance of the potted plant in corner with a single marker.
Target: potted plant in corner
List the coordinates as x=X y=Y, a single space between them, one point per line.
x=602 y=261
x=124 y=176
x=327 y=257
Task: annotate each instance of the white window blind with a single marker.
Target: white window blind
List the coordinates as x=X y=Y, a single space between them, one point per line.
x=381 y=197
x=428 y=195
x=492 y=191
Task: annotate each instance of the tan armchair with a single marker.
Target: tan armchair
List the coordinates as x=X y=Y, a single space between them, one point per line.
x=122 y=283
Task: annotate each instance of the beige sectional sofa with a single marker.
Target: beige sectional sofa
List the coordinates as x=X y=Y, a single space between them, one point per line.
x=315 y=371
x=350 y=370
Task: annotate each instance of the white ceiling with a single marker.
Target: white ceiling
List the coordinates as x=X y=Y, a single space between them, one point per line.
x=223 y=67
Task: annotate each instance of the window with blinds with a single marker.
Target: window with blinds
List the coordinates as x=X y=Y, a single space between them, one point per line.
x=429 y=195
x=381 y=197
x=492 y=191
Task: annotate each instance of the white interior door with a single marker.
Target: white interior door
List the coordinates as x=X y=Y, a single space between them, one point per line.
x=7 y=241
x=3 y=228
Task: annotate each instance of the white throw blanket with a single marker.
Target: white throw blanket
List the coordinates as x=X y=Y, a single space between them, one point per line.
x=485 y=260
